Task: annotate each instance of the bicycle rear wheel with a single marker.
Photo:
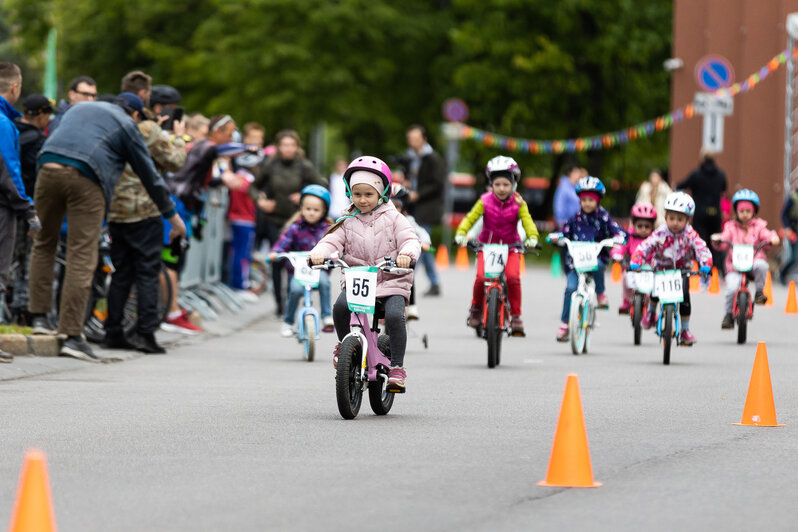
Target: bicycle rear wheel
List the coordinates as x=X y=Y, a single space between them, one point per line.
x=667 y=333
x=380 y=399
x=492 y=328
x=637 y=316
x=348 y=383
x=576 y=324
x=742 y=316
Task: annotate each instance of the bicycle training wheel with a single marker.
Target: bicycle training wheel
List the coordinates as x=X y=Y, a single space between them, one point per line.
x=637 y=316
x=492 y=329
x=380 y=399
x=348 y=384
x=742 y=319
x=310 y=337
x=667 y=333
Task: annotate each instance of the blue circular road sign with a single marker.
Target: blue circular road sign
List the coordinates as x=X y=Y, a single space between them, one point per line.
x=455 y=110
x=714 y=72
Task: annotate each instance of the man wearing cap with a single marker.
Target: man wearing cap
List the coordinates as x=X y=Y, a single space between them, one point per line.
x=136 y=242
x=37 y=110
x=79 y=167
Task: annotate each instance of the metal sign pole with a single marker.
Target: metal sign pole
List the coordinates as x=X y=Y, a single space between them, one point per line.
x=450 y=131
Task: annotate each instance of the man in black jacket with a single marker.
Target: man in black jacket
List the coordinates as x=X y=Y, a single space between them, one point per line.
x=36 y=112
x=426 y=172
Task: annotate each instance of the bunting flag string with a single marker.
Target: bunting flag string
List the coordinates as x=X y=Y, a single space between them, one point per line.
x=622 y=136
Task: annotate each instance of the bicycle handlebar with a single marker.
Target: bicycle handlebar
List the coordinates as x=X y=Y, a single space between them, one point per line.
x=757 y=248
x=516 y=248
x=387 y=265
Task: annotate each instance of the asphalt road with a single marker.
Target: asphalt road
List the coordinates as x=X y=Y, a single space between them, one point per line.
x=238 y=433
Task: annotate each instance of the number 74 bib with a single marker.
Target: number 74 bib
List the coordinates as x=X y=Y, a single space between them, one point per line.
x=361 y=288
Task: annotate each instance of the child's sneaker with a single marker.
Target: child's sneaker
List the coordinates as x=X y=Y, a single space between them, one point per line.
x=760 y=298
x=412 y=312
x=396 y=379
x=624 y=308
x=517 y=326
x=286 y=330
x=327 y=324
x=475 y=317
x=728 y=321
x=562 y=332
x=686 y=338
x=603 y=301
x=335 y=355
x=648 y=319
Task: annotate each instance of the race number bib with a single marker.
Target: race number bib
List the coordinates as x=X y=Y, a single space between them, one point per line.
x=585 y=256
x=361 y=288
x=644 y=282
x=668 y=286
x=304 y=274
x=494 y=257
x=743 y=257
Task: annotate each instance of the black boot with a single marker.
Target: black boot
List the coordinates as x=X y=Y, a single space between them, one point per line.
x=728 y=321
x=146 y=343
x=118 y=340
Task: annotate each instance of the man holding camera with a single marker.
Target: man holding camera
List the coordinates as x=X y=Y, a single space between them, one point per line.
x=137 y=231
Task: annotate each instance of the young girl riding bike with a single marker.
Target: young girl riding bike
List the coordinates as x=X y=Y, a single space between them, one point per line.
x=304 y=231
x=500 y=209
x=674 y=245
x=643 y=217
x=371 y=230
x=591 y=224
x=746 y=228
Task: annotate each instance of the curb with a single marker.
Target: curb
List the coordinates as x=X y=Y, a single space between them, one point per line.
x=22 y=345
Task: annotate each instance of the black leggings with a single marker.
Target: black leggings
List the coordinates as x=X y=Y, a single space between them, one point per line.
x=394 y=323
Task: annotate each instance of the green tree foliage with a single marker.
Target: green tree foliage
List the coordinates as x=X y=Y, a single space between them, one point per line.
x=528 y=68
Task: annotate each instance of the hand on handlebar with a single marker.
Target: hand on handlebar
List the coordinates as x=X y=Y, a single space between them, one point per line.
x=316 y=258
x=635 y=267
x=705 y=270
x=461 y=240
x=403 y=261
x=531 y=242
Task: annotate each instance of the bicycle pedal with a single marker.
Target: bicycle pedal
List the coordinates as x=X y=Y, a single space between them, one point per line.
x=394 y=389
x=518 y=334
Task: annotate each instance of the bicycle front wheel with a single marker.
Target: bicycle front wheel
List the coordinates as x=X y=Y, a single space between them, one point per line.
x=576 y=324
x=348 y=383
x=310 y=337
x=742 y=316
x=637 y=317
x=667 y=333
x=493 y=328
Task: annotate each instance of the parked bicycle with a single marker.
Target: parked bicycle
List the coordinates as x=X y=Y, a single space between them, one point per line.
x=364 y=357
x=582 y=318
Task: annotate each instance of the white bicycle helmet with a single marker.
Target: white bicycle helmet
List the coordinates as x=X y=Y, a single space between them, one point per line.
x=680 y=202
x=502 y=166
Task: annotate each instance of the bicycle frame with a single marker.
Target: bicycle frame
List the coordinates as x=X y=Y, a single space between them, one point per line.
x=307 y=307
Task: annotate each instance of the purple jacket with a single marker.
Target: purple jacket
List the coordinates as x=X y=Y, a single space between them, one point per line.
x=300 y=236
x=366 y=239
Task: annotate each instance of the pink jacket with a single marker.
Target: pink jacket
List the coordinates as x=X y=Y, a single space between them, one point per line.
x=367 y=239
x=664 y=249
x=627 y=249
x=755 y=233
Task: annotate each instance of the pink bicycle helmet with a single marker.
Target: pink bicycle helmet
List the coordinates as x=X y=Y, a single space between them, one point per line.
x=644 y=211
x=374 y=165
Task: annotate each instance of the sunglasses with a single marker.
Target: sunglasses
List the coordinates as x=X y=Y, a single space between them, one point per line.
x=87 y=94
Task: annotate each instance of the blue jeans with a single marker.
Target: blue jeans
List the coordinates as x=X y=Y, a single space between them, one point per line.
x=296 y=293
x=243 y=238
x=572 y=281
x=428 y=260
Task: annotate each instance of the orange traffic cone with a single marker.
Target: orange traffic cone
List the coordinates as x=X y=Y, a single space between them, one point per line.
x=569 y=465
x=33 y=509
x=695 y=283
x=522 y=266
x=768 y=291
x=714 y=282
x=792 y=307
x=461 y=262
x=759 y=408
x=617 y=272
x=442 y=258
